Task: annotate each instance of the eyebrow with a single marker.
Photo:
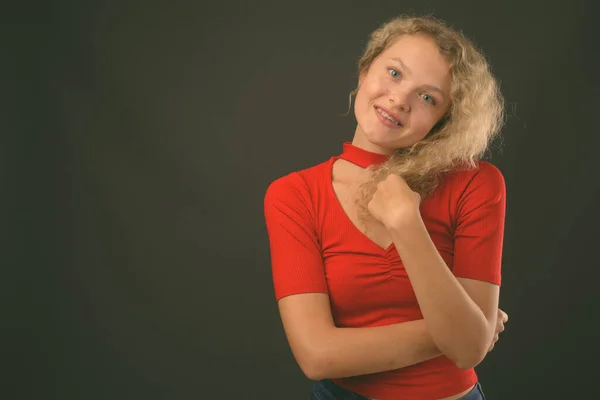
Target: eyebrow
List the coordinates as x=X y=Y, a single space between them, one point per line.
x=429 y=87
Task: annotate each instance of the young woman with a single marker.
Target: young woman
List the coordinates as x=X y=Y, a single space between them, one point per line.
x=386 y=258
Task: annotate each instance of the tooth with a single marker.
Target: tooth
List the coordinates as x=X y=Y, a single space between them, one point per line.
x=388 y=117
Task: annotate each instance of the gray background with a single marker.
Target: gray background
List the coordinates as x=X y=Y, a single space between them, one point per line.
x=140 y=137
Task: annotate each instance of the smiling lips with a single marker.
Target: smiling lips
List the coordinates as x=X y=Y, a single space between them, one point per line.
x=387 y=119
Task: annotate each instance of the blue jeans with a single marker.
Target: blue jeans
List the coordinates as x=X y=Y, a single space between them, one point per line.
x=327 y=390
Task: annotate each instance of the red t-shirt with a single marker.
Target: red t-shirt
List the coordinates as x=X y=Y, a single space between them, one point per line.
x=316 y=248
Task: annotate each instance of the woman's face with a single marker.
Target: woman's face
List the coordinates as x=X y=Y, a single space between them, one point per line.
x=404 y=93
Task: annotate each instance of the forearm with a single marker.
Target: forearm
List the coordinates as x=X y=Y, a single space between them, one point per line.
x=345 y=352
x=456 y=324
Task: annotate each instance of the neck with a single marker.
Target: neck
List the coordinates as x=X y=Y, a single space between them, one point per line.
x=362 y=142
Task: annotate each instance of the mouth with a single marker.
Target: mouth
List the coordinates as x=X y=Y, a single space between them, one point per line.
x=387 y=119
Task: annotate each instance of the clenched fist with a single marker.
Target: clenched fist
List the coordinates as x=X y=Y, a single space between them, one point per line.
x=394 y=201
x=500 y=321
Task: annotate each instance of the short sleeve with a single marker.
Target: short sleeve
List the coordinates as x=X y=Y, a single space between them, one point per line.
x=296 y=260
x=479 y=232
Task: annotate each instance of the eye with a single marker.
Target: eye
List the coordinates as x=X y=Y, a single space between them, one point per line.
x=394 y=73
x=428 y=98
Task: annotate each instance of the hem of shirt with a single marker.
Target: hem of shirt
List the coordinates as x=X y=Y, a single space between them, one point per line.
x=496 y=279
x=279 y=296
x=413 y=392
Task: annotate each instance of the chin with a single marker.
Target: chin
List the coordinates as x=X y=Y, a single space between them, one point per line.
x=386 y=144
x=385 y=140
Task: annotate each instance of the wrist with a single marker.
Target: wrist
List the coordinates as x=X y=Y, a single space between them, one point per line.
x=408 y=221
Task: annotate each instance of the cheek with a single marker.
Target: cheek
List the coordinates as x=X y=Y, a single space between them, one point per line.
x=362 y=102
x=370 y=90
x=424 y=120
x=428 y=114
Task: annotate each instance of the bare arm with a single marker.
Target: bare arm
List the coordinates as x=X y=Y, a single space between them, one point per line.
x=325 y=351
x=460 y=313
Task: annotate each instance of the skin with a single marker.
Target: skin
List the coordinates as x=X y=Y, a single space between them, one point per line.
x=410 y=79
x=404 y=88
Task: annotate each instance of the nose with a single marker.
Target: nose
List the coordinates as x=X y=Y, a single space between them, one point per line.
x=399 y=98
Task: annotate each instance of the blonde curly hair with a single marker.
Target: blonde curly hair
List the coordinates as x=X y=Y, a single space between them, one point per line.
x=473 y=120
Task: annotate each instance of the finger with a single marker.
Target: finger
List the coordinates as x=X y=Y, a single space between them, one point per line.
x=499 y=329
x=500 y=315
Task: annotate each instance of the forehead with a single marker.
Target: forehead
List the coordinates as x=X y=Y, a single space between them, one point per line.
x=421 y=55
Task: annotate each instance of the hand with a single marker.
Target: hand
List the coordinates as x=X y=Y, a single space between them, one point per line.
x=500 y=321
x=393 y=201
